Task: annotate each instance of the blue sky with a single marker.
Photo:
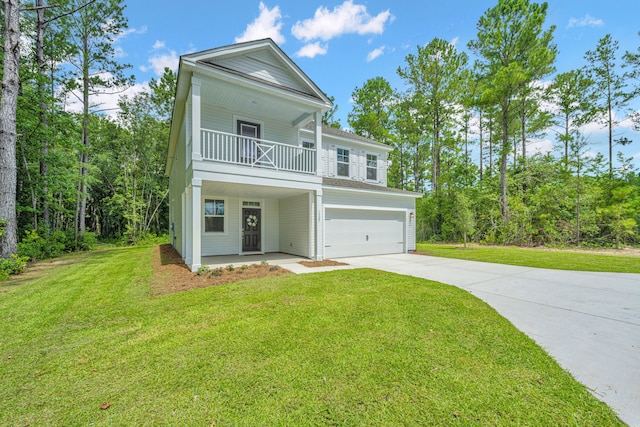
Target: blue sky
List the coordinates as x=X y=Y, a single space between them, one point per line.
x=340 y=44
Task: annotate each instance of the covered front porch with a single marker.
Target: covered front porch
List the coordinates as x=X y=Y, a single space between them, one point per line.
x=248 y=220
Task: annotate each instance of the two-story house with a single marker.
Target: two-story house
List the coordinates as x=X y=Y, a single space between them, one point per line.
x=253 y=170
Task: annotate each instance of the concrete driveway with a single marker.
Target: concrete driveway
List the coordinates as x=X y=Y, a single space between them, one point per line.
x=589 y=322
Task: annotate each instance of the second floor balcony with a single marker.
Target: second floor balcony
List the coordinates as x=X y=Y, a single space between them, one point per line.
x=256 y=153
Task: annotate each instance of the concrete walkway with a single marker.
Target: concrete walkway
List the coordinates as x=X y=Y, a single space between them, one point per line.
x=589 y=322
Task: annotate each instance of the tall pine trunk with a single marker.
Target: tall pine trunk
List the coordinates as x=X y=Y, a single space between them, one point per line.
x=84 y=157
x=480 y=143
x=8 y=135
x=504 y=152
x=44 y=124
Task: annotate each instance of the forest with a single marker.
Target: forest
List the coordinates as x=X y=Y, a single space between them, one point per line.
x=460 y=128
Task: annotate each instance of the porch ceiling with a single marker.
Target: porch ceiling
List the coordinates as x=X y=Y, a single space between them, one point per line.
x=249 y=191
x=253 y=103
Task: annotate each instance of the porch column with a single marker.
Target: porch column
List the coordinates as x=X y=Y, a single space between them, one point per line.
x=196 y=224
x=318 y=141
x=188 y=229
x=319 y=226
x=196 y=153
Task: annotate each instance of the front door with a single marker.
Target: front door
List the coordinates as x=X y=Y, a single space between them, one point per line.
x=251 y=221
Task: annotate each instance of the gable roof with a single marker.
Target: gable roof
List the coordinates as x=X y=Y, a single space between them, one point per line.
x=261 y=61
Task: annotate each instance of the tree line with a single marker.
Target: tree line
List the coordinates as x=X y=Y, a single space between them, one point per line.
x=77 y=172
x=493 y=102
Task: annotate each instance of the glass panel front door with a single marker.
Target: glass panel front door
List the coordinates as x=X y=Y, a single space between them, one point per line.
x=251 y=220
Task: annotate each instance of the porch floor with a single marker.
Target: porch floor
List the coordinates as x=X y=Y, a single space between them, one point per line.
x=290 y=262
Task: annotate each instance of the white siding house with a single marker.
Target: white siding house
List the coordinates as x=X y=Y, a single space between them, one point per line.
x=253 y=170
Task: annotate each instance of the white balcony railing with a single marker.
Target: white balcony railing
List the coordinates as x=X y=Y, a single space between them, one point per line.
x=239 y=150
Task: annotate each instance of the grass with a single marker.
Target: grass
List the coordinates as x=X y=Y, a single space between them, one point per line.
x=541 y=258
x=352 y=348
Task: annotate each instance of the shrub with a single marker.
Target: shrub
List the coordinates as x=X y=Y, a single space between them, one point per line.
x=230 y=267
x=36 y=247
x=202 y=270
x=13 y=265
x=32 y=246
x=216 y=272
x=86 y=241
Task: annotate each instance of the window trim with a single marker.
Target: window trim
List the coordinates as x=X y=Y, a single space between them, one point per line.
x=374 y=168
x=225 y=216
x=311 y=144
x=347 y=163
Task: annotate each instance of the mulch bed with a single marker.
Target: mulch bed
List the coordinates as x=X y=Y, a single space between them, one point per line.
x=172 y=275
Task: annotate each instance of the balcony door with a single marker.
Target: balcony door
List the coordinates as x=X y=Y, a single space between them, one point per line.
x=248 y=145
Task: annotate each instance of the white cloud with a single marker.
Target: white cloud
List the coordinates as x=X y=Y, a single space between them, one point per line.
x=104 y=103
x=267 y=24
x=158 y=45
x=128 y=31
x=311 y=50
x=375 y=53
x=119 y=52
x=594 y=127
x=159 y=62
x=589 y=154
x=454 y=41
x=347 y=18
x=542 y=146
x=587 y=21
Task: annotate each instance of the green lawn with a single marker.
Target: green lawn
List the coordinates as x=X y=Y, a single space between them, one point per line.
x=348 y=348
x=542 y=258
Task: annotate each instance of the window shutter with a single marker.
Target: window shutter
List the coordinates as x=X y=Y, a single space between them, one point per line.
x=382 y=169
x=332 y=159
x=354 y=163
x=362 y=169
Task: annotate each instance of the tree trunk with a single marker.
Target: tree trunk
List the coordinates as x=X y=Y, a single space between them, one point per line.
x=524 y=132
x=44 y=145
x=503 y=165
x=578 y=205
x=566 y=141
x=480 y=124
x=8 y=135
x=84 y=158
x=610 y=123
x=490 y=146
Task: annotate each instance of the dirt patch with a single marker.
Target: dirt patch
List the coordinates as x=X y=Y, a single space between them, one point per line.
x=172 y=275
x=325 y=263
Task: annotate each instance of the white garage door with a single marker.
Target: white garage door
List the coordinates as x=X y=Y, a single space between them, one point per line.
x=350 y=232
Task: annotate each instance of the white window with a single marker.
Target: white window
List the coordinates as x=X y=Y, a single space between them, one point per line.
x=372 y=167
x=343 y=162
x=214 y=216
